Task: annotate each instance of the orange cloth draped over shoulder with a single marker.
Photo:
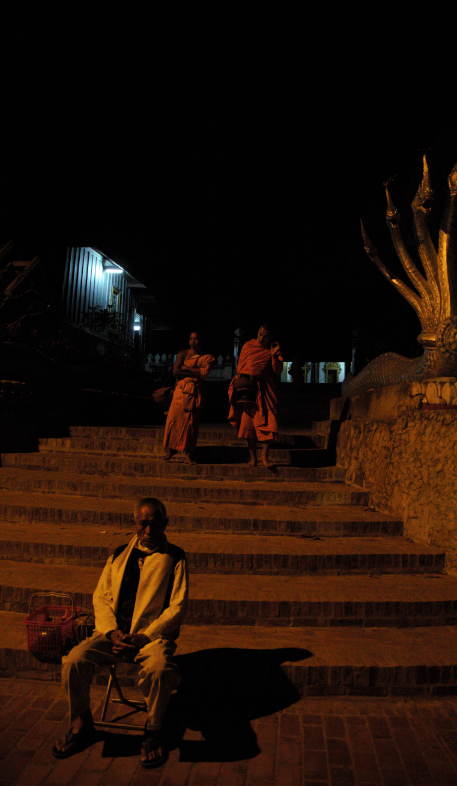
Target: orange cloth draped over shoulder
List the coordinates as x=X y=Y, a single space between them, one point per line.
x=183 y=419
x=257 y=361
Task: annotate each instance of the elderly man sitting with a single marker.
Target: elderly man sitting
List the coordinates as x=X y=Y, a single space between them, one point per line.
x=140 y=602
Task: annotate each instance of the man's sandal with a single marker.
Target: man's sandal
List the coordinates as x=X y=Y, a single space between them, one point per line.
x=74 y=743
x=150 y=742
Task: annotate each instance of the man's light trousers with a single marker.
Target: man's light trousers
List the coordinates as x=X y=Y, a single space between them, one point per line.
x=158 y=675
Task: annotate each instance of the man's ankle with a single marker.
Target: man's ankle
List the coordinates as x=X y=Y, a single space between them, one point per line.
x=82 y=722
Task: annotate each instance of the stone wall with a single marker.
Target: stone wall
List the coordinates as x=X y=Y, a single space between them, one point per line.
x=409 y=466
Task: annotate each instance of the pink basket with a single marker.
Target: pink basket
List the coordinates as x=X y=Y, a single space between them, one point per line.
x=50 y=628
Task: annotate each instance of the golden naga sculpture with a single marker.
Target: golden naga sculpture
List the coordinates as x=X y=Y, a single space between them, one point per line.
x=434 y=299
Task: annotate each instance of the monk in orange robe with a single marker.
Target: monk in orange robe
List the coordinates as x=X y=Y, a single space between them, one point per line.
x=252 y=394
x=183 y=420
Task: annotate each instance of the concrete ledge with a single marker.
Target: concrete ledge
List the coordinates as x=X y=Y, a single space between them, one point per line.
x=342 y=662
x=402 y=600
x=212 y=488
x=105 y=464
x=245 y=559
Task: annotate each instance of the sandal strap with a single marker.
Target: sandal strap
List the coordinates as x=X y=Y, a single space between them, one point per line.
x=74 y=742
x=151 y=742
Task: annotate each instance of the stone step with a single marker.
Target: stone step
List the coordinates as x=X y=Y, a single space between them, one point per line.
x=216 y=434
x=321 y=427
x=101 y=445
x=310 y=521
x=192 y=487
x=99 y=464
x=118 y=432
x=379 y=601
x=317 y=661
x=226 y=553
x=204 y=454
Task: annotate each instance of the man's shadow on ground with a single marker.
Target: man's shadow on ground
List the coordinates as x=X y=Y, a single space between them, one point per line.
x=221 y=691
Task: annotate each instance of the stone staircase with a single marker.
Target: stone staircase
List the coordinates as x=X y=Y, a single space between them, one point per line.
x=284 y=558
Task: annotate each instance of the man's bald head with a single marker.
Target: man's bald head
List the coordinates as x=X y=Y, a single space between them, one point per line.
x=150 y=502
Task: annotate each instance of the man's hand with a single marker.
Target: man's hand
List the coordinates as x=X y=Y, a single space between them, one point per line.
x=276 y=350
x=139 y=640
x=126 y=645
x=184 y=372
x=115 y=637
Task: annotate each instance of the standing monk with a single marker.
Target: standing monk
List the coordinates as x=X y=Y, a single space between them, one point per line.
x=252 y=393
x=183 y=420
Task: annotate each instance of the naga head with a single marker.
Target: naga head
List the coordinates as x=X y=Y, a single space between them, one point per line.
x=433 y=294
x=392 y=214
x=424 y=194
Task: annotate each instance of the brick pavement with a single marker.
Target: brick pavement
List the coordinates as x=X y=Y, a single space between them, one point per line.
x=385 y=742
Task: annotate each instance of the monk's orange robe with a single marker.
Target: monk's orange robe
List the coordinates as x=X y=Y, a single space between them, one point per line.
x=263 y=426
x=183 y=419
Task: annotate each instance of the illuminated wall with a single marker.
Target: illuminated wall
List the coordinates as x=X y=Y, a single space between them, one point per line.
x=92 y=279
x=324 y=372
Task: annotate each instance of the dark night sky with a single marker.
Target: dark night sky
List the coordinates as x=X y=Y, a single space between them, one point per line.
x=228 y=173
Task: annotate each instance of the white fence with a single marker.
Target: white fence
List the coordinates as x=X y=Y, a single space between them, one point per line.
x=222 y=369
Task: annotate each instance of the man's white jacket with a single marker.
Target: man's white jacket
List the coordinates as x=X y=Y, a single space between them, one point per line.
x=161 y=598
